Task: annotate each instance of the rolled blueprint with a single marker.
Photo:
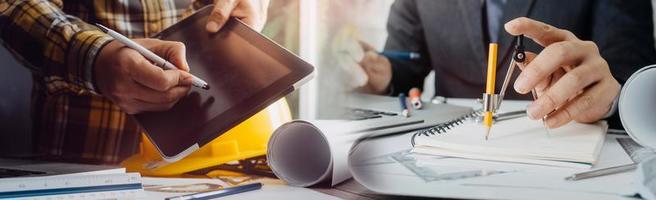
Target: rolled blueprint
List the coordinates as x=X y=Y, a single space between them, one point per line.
x=637 y=106
x=307 y=153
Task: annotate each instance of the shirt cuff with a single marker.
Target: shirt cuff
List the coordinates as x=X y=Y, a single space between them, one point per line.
x=81 y=55
x=613 y=108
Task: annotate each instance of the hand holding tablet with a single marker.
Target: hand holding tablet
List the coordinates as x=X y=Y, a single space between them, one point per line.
x=246 y=70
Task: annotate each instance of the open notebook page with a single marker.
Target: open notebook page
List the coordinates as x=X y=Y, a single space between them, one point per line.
x=520 y=140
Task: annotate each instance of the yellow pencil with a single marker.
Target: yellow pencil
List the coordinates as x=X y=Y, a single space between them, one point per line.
x=489 y=89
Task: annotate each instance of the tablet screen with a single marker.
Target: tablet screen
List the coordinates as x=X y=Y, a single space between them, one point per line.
x=245 y=71
x=240 y=71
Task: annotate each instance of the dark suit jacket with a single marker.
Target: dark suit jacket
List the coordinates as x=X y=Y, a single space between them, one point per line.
x=451 y=36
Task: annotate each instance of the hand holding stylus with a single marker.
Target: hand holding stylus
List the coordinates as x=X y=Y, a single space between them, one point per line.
x=571 y=78
x=378 y=69
x=134 y=83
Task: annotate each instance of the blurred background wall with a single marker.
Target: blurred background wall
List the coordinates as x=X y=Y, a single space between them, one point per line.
x=338 y=25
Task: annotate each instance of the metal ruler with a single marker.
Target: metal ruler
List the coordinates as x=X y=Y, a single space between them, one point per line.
x=105 y=186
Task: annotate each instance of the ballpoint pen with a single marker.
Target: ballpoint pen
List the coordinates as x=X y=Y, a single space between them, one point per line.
x=404 y=105
x=401 y=55
x=489 y=98
x=602 y=172
x=159 y=61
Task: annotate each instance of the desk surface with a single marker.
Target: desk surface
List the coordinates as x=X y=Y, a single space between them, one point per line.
x=275 y=189
x=271 y=189
x=529 y=183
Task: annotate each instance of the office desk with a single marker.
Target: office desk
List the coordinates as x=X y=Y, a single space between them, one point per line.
x=350 y=189
x=271 y=189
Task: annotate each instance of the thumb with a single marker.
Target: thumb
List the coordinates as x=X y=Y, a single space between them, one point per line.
x=366 y=46
x=220 y=14
x=368 y=61
x=174 y=52
x=185 y=78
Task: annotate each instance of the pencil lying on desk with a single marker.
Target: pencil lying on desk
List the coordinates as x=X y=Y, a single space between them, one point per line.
x=489 y=88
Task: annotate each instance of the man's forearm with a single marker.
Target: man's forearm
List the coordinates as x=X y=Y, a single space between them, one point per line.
x=59 y=48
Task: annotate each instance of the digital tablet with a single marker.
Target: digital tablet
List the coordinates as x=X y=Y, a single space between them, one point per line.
x=246 y=72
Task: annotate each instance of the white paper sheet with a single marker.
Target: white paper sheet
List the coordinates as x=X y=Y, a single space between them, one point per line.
x=554 y=179
x=520 y=140
x=525 y=182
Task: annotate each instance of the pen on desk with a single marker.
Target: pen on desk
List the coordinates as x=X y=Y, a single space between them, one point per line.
x=489 y=89
x=415 y=98
x=401 y=55
x=602 y=172
x=404 y=105
x=219 y=193
x=159 y=61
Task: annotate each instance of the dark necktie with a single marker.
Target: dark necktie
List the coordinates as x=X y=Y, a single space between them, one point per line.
x=494 y=10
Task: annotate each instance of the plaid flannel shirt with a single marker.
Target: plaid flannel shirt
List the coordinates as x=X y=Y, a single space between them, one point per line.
x=55 y=40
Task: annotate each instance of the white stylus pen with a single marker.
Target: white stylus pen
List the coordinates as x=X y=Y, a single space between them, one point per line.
x=159 y=61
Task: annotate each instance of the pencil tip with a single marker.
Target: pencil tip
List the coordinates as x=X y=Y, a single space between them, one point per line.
x=487 y=133
x=206 y=87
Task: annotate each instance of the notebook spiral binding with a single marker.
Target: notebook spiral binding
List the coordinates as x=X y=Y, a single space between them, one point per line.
x=443 y=127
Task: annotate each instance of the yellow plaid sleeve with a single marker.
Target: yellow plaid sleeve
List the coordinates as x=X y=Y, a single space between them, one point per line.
x=60 y=49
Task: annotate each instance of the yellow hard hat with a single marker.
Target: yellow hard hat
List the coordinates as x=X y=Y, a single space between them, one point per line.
x=246 y=140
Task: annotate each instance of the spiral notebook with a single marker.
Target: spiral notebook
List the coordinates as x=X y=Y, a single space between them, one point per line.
x=521 y=140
